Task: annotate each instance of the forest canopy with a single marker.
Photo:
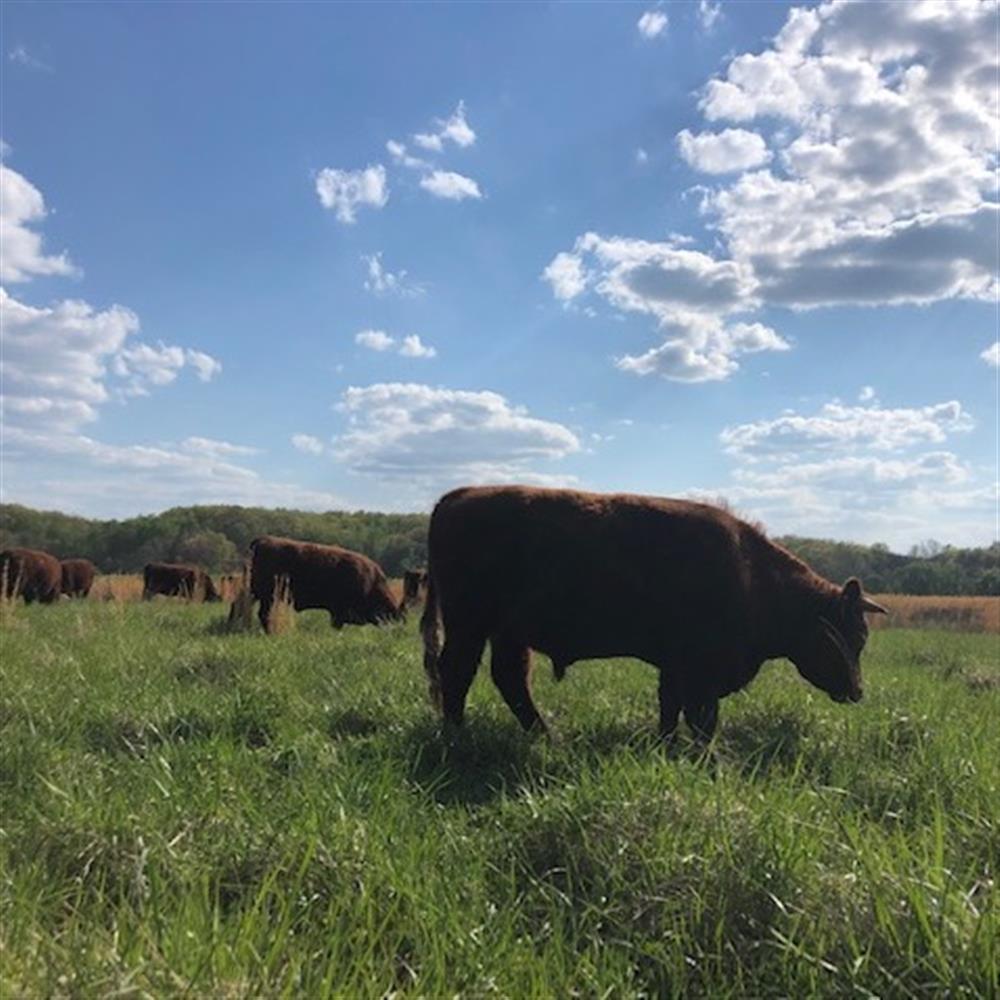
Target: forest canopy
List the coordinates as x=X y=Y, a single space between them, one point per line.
x=217 y=538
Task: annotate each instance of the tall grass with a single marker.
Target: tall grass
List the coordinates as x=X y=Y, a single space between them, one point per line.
x=964 y=614
x=187 y=813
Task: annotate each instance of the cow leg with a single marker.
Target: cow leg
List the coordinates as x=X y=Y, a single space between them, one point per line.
x=335 y=623
x=702 y=718
x=670 y=705
x=510 y=665
x=264 y=613
x=457 y=665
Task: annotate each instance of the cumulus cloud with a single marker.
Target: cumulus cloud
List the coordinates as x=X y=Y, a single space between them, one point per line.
x=447 y=184
x=21 y=206
x=847 y=427
x=565 y=274
x=860 y=472
x=690 y=294
x=439 y=437
x=652 y=24
x=724 y=152
x=62 y=361
x=454 y=129
x=307 y=444
x=374 y=340
x=381 y=281
x=992 y=355
x=344 y=191
x=870 y=180
x=410 y=346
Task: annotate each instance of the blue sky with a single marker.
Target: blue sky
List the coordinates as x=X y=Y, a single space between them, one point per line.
x=332 y=256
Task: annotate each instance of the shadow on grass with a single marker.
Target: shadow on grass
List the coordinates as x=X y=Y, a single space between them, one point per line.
x=759 y=744
x=486 y=758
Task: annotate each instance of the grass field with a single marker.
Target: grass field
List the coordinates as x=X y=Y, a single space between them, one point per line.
x=190 y=813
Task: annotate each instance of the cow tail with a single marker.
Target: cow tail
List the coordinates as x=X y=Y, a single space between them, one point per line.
x=431 y=632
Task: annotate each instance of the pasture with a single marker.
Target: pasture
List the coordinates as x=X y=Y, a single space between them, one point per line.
x=187 y=812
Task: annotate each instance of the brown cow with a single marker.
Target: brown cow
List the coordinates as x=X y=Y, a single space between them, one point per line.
x=31 y=574
x=690 y=589
x=350 y=586
x=414 y=581
x=77 y=577
x=177 y=580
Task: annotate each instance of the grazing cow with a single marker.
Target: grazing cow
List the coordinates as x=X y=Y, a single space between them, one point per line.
x=177 y=580
x=77 y=577
x=414 y=581
x=31 y=574
x=691 y=589
x=350 y=586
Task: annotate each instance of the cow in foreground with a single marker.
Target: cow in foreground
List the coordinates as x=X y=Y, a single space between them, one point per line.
x=698 y=593
x=31 y=574
x=350 y=586
x=414 y=582
x=77 y=577
x=177 y=580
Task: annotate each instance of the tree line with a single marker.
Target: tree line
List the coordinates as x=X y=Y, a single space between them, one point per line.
x=217 y=538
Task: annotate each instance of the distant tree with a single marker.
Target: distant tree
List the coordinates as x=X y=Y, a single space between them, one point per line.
x=210 y=550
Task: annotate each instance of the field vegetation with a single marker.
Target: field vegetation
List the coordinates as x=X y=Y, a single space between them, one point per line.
x=189 y=811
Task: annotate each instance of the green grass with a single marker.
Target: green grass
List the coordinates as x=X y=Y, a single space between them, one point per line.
x=186 y=813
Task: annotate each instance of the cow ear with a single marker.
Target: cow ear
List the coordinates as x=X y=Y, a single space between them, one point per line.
x=853 y=597
x=851 y=592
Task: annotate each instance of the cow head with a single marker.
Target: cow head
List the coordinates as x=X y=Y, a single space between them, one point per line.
x=829 y=653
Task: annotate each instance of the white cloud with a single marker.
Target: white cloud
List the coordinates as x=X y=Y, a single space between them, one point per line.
x=689 y=293
x=447 y=184
x=883 y=187
x=307 y=444
x=374 y=340
x=709 y=13
x=867 y=394
x=879 y=188
x=21 y=205
x=214 y=448
x=397 y=150
x=383 y=282
x=344 y=191
x=652 y=24
x=641 y=156
x=409 y=346
x=846 y=427
x=20 y=55
x=565 y=274
x=61 y=361
x=860 y=472
x=733 y=149
x=412 y=347
x=117 y=480
x=454 y=129
x=992 y=355
x=433 y=438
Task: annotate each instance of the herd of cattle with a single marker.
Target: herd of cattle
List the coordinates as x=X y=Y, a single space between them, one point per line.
x=701 y=595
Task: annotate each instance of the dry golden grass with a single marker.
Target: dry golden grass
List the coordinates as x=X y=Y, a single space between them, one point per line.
x=281 y=617
x=963 y=614
x=123 y=587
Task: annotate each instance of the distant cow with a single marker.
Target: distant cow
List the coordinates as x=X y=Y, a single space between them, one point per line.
x=414 y=582
x=31 y=574
x=177 y=580
x=350 y=586
x=689 y=588
x=77 y=577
